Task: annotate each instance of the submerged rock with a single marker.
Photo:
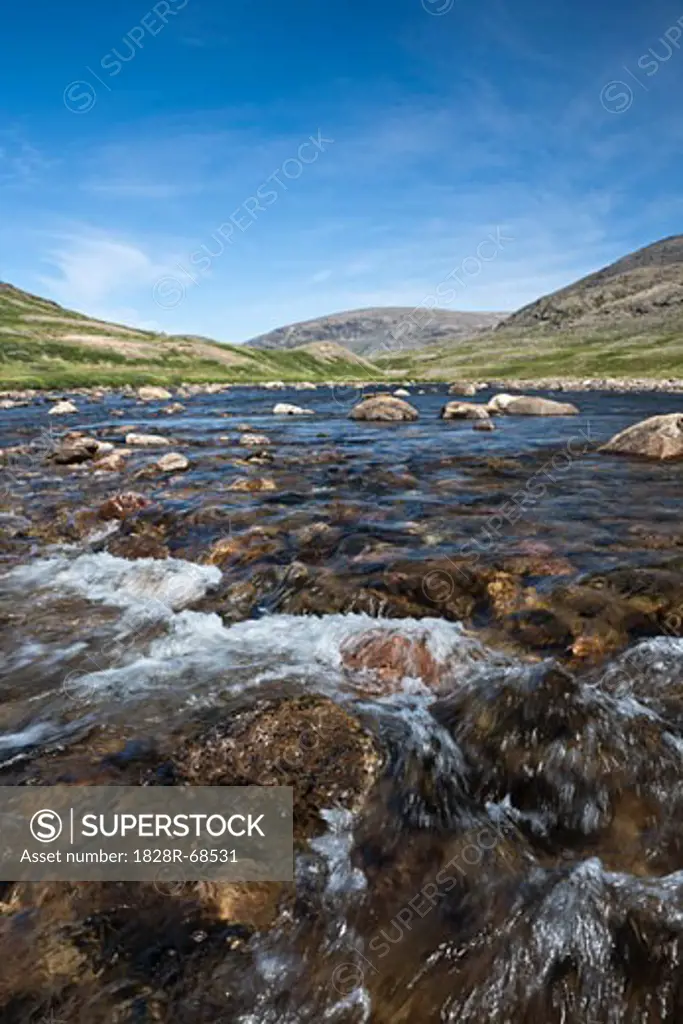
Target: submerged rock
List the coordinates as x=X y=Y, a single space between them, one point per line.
x=464 y=411
x=384 y=408
x=540 y=629
x=659 y=437
x=252 y=484
x=483 y=425
x=123 y=505
x=246 y=547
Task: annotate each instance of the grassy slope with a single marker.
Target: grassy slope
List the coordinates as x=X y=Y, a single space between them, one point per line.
x=630 y=350
x=625 y=320
x=45 y=346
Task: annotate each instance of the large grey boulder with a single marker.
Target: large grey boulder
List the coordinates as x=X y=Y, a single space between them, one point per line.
x=384 y=408
x=151 y=393
x=530 y=405
x=659 y=437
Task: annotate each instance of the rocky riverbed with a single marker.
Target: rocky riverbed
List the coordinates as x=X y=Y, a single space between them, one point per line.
x=462 y=648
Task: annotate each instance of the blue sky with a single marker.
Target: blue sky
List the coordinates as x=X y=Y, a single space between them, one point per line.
x=157 y=168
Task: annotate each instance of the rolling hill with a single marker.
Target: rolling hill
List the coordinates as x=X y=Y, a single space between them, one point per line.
x=624 y=320
x=372 y=332
x=44 y=345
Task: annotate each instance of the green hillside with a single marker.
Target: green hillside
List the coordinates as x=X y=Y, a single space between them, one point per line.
x=625 y=320
x=43 y=345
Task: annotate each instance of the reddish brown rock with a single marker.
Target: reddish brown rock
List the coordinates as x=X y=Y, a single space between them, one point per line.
x=389 y=657
x=246 y=547
x=120 y=506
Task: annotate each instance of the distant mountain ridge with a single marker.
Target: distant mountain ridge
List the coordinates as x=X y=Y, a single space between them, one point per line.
x=376 y=330
x=623 y=320
x=645 y=284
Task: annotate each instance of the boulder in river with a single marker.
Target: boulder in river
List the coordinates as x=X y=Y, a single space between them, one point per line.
x=174 y=462
x=120 y=506
x=384 y=659
x=484 y=425
x=112 y=463
x=530 y=405
x=146 y=440
x=307 y=742
x=154 y=394
x=77 y=448
x=287 y=409
x=659 y=437
x=384 y=408
x=464 y=411
x=401 y=393
x=62 y=409
x=462 y=387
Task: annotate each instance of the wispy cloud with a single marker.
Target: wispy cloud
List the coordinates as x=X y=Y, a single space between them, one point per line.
x=92 y=270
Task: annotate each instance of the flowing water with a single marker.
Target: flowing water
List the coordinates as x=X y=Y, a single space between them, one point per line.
x=517 y=855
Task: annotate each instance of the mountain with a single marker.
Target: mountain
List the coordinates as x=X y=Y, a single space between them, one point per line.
x=370 y=332
x=645 y=284
x=44 y=345
x=625 y=320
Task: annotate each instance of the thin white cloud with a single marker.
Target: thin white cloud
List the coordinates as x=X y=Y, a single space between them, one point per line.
x=93 y=270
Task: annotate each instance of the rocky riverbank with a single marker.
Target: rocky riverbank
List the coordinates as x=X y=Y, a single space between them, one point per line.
x=9 y=398
x=626 y=385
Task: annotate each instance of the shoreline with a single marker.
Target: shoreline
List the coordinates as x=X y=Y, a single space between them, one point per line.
x=569 y=384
